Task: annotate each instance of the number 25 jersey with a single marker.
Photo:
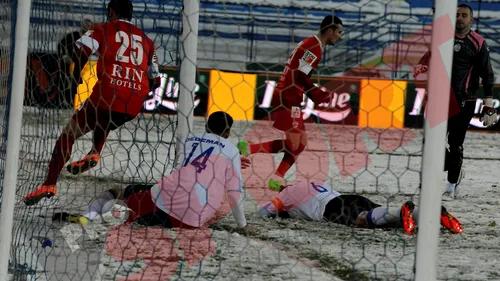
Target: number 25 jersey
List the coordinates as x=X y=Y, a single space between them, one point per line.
x=126 y=61
x=210 y=167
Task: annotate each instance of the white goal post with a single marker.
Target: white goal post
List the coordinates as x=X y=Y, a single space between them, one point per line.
x=435 y=137
x=187 y=77
x=435 y=134
x=14 y=132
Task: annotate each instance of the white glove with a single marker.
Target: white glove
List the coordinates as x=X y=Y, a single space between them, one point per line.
x=488 y=113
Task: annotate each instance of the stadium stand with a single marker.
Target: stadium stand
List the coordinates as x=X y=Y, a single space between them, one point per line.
x=234 y=33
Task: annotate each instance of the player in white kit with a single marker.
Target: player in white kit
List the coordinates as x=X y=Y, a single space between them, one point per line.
x=320 y=202
x=209 y=167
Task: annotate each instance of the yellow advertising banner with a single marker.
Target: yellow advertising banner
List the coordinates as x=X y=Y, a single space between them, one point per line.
x=233 y=93
x=89 y=77
x=382 y=104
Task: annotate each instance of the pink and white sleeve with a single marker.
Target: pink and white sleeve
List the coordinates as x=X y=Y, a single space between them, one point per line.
x=90 y=41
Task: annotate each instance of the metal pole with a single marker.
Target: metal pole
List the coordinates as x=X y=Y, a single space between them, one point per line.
x=435 y=138
x=14 y=132
x=187 y=79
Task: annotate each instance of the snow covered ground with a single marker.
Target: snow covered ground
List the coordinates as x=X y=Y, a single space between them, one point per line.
x=382 y=165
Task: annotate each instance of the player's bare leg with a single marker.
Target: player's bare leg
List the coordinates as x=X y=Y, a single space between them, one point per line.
x=60 y=155
x=90 y=160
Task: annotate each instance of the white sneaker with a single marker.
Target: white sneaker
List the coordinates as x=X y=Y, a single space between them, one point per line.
x=449 y=195
x=451 y=192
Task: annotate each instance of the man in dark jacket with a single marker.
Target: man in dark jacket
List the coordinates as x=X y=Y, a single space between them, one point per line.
x=471 y=61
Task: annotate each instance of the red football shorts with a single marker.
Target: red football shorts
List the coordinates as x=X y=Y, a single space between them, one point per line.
x=289 y=120
x=95 y=117
x=140 y=202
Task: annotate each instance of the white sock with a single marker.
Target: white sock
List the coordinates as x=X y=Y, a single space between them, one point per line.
x=381 y=216
x=99 y=205
x=450 y=187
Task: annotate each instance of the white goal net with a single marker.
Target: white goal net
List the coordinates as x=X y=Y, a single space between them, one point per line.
x=367 y=141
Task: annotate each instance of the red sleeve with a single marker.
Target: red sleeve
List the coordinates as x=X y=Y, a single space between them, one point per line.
x=319 y=53
x=425 y=59
x=308 y=59
x=312 y=57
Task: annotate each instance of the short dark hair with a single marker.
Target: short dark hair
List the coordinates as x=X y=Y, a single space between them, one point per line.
x=219 y=123
x=330 y=22
x=122 y=8
x=468 y=7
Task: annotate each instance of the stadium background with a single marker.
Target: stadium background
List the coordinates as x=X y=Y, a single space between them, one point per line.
x=246 y=44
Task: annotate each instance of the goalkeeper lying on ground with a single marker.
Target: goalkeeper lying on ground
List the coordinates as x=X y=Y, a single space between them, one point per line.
x=319 y=202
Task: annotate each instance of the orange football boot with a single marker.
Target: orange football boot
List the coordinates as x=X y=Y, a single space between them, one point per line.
x=44 y=191
x=83 y=165
x=407 y=217
x=449 y=222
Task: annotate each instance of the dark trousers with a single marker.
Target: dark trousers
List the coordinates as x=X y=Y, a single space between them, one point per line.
x=345 y=209
x=458 y=125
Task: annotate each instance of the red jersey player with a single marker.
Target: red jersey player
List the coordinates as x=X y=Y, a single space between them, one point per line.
x=289 y=94
x=125 y=66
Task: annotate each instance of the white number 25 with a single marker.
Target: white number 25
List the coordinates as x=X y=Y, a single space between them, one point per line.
x=137 y=52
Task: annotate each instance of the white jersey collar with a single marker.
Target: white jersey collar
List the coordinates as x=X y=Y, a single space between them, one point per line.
x=320 y=43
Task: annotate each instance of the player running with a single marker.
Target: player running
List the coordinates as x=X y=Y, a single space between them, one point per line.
x=471 y=60
x=126 y=61
x=320 y=202
x=190 y=196
x=288 y=96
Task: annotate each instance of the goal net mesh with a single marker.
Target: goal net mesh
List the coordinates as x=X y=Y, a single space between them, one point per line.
x=367 y=141
x=141 y=151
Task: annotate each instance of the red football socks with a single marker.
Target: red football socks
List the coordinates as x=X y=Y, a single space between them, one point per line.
x=60 y=155
x=274 y=146
x=99 y=139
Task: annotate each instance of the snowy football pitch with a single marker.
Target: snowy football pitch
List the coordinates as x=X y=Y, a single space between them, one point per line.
x=279 y=249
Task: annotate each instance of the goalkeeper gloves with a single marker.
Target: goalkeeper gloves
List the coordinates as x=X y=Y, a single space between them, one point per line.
x=488 y=113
